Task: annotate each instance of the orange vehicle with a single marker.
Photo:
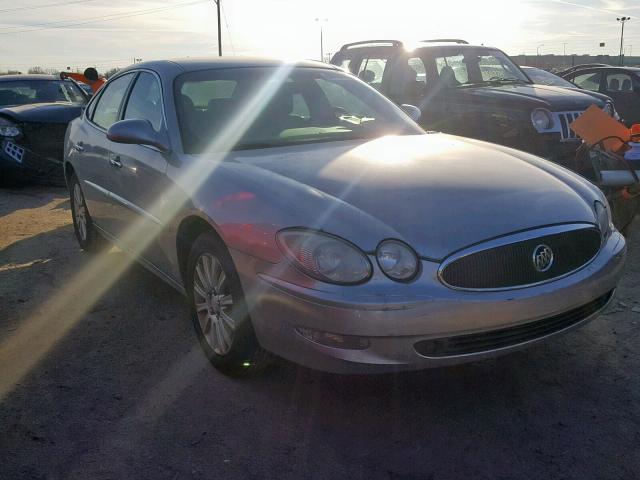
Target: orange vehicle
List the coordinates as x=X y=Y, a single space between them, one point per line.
x=89 y=76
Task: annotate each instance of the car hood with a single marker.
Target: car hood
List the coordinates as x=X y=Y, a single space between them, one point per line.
x=58 y=112
x=438 y=193
x=536 y=96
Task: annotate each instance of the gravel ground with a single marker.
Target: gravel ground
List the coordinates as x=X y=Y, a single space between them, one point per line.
x=126 y=393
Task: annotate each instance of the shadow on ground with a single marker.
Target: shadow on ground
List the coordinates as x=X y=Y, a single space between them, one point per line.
x=128 y=394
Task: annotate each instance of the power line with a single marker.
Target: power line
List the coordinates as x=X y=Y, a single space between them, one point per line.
x=224 y=14
x=103 y=18
x=47 y=5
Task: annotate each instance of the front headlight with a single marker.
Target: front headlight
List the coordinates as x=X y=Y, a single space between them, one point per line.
x=603 y=217
x=325 y=257
x=9 y=129
x=542 y=119
x=397 y=260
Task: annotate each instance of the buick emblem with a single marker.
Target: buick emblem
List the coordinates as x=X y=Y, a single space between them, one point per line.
x=542 y=258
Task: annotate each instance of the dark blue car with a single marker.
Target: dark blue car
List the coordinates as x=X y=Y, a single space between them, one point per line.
x=34 y=113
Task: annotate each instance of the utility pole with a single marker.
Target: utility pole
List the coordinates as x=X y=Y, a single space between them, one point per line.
x=538 y=54
x=217 y=2
x=321 y=21
x=564 y=44
x=622 y=20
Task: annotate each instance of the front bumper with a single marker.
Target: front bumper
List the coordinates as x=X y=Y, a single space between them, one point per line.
x=550 y=146
x=394 y=324
x=29 y=165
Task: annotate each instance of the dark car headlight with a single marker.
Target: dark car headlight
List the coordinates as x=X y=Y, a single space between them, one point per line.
x=542 y=119
x=9 y=129
x=325 y=257
x=397 y=260
x=603 y=217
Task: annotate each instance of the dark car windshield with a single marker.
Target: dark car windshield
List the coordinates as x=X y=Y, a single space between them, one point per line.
x=23 y=92
x=477 y=67
x=306 y=105
x=542 y=77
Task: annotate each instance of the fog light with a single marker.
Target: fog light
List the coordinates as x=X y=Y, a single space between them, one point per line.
x=334 y=340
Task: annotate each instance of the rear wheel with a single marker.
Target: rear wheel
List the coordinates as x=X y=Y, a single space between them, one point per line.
x=86 y=233
x=219 y=312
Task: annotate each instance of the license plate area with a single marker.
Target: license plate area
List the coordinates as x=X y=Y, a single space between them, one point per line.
x=13 y=151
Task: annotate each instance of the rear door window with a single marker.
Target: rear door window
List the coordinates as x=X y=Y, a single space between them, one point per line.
x=408 y=79
x=372 y=70
x=107 y=109
x=452 y=70
x=619 y=82
x=588 y=81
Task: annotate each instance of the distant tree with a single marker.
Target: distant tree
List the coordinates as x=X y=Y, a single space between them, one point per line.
x=39 y=70
x=111 y=72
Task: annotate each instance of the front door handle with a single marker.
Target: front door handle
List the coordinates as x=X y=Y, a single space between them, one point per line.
x=114 y=161
x=78 y=147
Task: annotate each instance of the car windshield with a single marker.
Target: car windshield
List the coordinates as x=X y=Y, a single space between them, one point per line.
x=468 y=67
x=23 y=92
x=311 y=105
x=542 y=77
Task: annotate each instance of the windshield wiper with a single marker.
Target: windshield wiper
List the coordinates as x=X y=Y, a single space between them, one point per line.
x=495 y=81
x=257 y=145
x=509 y=80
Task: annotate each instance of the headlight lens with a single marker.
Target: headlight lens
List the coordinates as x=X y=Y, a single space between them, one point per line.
x=542 y=119
x=8 y=128
x=603 y=218
x=397 y=260
x=325 y=257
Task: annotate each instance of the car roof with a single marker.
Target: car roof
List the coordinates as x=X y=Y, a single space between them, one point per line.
x=635 y=70
x=439 y=44
x=211 y=63
x=6 y=78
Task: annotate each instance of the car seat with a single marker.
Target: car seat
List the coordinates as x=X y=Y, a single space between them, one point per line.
x=614 y=85
x=626 y=85
x=276 y=117
x=448 y=77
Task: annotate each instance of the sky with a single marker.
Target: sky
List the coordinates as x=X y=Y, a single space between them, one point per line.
x=80 y=33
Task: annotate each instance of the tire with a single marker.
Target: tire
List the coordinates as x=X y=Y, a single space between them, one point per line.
x=86 y=233
x=219 y=312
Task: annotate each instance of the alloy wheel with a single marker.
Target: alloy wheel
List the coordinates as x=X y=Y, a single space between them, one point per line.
x=80 y=212
x=213 y=303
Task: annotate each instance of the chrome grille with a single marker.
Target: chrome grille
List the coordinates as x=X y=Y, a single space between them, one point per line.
x=565 y=119
x=511 y=265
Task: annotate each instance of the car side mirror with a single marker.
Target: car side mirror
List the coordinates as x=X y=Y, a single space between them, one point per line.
x=137 y=132
x=414 y=112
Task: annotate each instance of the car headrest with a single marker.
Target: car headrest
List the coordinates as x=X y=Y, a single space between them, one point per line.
x=614 y=84
x=626 y=85
x=185 y=102
x=367 y=76
x=448 y=76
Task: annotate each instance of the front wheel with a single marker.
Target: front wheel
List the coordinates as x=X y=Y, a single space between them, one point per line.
x=219 y=312
x=86 y=233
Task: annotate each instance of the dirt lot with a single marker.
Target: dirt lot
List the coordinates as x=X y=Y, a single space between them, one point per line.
x=125 y=392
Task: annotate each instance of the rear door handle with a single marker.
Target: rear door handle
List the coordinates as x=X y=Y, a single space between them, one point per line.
x=115 y=161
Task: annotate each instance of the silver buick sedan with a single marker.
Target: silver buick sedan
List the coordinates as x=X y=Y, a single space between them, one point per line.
x=305 y=216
